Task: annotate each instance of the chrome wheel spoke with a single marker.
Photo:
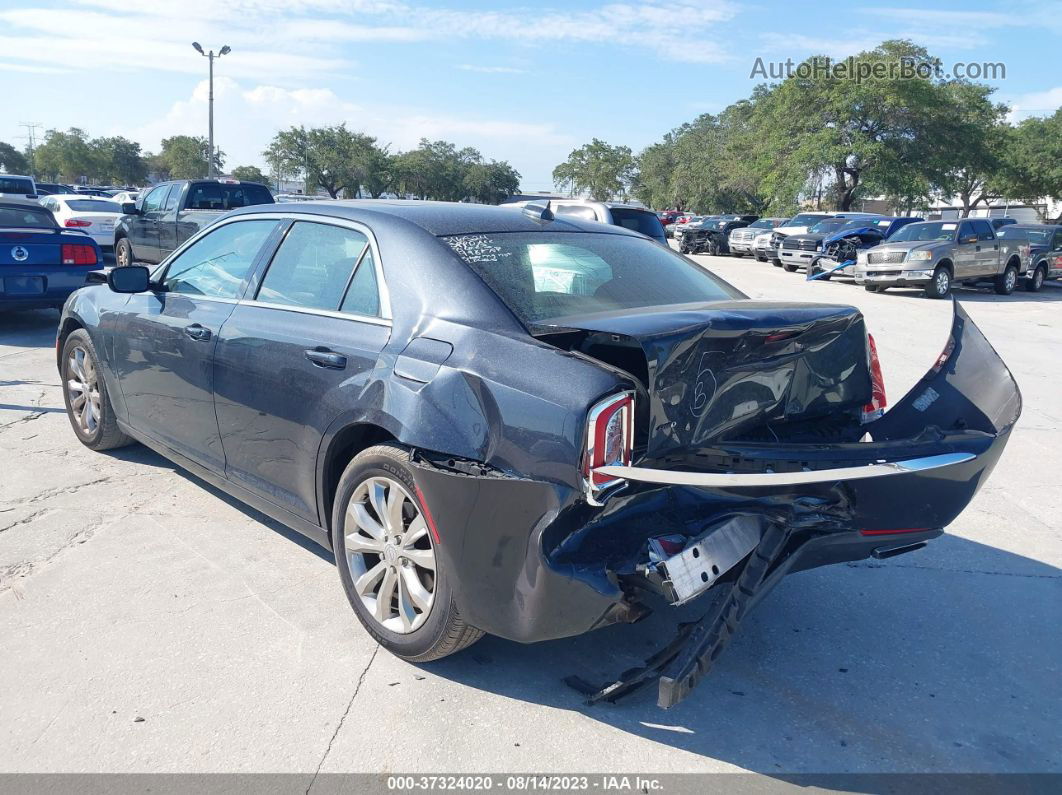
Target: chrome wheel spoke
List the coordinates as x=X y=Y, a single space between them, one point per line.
x=77 y=402
x=364 y=520
x=418 y=529
x=395 y=500
x=378 y=500
x=424 y=558
x=75 y=386
x=385 y=594
x=359 y=542
x=365 y=583
x=415 y=589
x=406 y=614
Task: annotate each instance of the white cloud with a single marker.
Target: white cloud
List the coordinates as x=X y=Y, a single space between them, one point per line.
x=492 y=70
x=1040 y=103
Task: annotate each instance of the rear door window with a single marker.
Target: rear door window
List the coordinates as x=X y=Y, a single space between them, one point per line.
x=313 y=266
x=225 y=196
x=363 y=295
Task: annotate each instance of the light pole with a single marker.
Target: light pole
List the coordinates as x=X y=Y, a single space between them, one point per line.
x=210 y=140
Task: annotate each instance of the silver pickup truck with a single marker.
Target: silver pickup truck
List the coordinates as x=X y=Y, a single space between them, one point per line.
x=936 y=254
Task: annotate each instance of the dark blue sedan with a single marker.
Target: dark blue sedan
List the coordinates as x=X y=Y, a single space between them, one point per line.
x=508 y=422
x=40 y=262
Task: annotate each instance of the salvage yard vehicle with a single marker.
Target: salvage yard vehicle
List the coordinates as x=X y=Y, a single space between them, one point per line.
x=525 y=424
x=742 y=240
x=934 y=255
x=41 y=263
x=627 y=216
x=1042 y=259
x=168 y=214
x=843 y=246
x=711 y=236
x=92 y=215
x=796 y=251
x=765 y=245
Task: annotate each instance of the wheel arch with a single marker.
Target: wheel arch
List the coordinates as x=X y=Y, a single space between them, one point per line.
x=947 y=263
x=337 y=450
x=68 y=326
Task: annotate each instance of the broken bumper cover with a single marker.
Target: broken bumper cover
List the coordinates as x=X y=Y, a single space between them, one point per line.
x=532 y=561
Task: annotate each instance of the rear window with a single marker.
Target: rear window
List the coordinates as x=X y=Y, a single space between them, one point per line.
x=90 y=206
x=11 y=185
x=805 y=220
x=546 y=275
x=1024 y=233
x=638 y=221
x=26 y=218
x=220 y=196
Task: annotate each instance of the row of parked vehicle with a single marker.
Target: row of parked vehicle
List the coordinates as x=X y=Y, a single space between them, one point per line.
x=879 y=251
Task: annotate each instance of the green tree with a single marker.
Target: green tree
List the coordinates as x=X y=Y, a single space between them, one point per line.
x=333 y=158
x=13 y=161
x=1032 y=161
x=598 y=169
x=250 y=174
x=118 y=160
x=65 y=156
x=185 y=157
x=492 y=182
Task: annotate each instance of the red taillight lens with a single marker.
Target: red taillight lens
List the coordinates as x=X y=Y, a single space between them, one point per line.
x=77 y=254
x=876 y=407
x=76 y=222
x=609 y=440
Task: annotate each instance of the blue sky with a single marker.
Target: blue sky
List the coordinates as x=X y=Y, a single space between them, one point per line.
x=523 y=82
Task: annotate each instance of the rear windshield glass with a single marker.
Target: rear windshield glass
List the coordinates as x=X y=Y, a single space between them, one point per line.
x=26 y=218
x=546 y=275
x=9 y=185
x=89 y=206
x=1023 y=233
x=804 y=219
x=638 y=221
x=767 y=223
x=219 y=196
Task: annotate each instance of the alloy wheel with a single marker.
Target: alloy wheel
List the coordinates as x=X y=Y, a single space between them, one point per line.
x=1010 y=279
x=82 y=386
x=943 y=282
x=390 y=555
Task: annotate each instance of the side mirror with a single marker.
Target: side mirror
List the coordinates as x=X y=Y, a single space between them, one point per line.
x=129 y=208
x=130 y=279
x=969 y=239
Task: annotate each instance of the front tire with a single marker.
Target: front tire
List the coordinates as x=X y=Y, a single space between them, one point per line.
x=123 y=253
x=760 y=257
x=776 y=262
x=940 y=286
x=88 y=406
x=385 y=552
x=790 y=267
x=737 y=254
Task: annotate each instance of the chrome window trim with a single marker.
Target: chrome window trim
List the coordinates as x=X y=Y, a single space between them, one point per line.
x=357 y=226
x=309 y=310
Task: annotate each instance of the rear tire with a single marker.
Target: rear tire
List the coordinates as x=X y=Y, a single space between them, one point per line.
x=405 y=556
x=873 y=288
x=123 y=253
x=760 y=258
x=940 y=286
x=1036 y=281
x=88 y=406
x=776 y=262
x=790 y=267
x=1007 y=281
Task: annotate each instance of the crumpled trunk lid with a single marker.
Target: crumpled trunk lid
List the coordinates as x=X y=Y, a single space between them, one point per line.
x=726 y=369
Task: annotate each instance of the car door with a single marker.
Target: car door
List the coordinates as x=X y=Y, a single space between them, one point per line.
x=965 y=258
x=144 y=227
x=168 y=221
x=987 y=249
x=164 y=340
x=296 y=356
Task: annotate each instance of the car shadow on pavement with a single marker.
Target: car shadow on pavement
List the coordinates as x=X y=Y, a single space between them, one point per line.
x=28 y=328
x=945 y=662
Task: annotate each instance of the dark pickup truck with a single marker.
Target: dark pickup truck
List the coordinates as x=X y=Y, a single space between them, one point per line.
x=171 y=212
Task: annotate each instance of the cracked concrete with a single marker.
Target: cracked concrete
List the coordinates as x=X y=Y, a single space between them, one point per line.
x=130 y=590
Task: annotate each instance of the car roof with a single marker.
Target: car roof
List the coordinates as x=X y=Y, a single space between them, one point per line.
x=1036 y=227
x=15 y=176
x=438 y=218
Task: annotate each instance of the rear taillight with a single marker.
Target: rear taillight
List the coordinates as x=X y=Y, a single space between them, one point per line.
x=76 y=222
x=609 y=440
x=876 y=407
x=78 y=254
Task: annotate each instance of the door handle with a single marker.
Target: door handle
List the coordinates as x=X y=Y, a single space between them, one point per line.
x=197 y=332
x=323 y=357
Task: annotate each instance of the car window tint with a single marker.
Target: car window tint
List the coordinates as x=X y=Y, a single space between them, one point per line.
x=984 y=230
x=638 y=221
x=153 y=201
x=312 y=266
x=363 y=295
x=217 y=263
x=26 y=218
x=225 y=196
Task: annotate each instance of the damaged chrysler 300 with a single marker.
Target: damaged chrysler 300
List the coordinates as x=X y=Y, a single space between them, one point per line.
x=506 y=422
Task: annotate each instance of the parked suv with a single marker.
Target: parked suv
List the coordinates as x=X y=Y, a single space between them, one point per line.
x=1043 y=258
x=637 y=219
x=935 y=254
x=168 y=214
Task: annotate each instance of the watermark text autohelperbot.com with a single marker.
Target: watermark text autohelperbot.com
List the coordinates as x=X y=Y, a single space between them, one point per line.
x=857 y=70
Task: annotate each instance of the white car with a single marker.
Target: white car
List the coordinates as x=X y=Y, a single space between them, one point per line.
x=126 y=196
x=89 y=214
x=18 y=189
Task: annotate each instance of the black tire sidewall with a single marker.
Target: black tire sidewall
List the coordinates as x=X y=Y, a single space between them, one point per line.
x=81 y=338
x=372 y=463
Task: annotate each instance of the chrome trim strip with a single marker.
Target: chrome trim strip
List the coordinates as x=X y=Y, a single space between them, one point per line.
x=753 y=479
x=309 y=310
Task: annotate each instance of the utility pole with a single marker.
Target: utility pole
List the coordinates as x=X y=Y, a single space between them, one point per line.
x=210 y=129
x=30 y=137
